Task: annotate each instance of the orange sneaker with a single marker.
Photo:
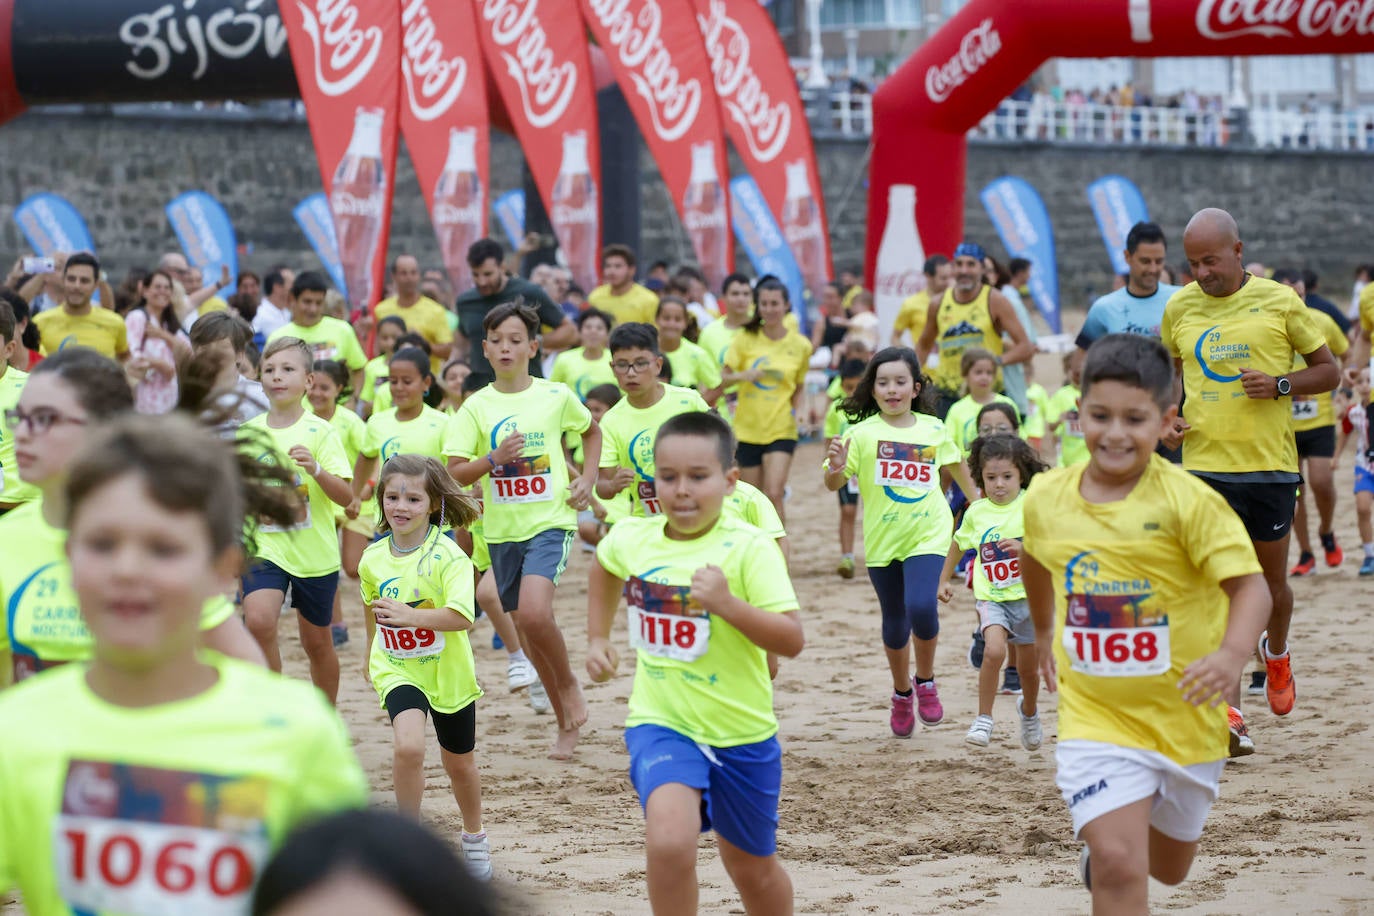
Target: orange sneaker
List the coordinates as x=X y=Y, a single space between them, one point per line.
x=1334 y=556
x=1241 y=744
x=1279 y=686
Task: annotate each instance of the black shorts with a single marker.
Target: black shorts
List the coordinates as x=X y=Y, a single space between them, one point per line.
x=457 y=731
x=1265 y=508
x=312 y=598
x=846 y=497
x=750 y=455
x=1171 y=455
x=1316 y=443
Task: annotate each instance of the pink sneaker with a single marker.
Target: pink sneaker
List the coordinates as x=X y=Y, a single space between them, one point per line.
x=903 y=721
x=928 y=704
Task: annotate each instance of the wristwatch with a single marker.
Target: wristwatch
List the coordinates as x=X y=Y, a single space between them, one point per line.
x=1283 y=386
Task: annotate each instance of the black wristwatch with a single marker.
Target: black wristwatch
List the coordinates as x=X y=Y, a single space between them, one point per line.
x=1283 y=386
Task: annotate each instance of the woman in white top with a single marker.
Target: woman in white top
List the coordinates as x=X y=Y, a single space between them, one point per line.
x=156 y=344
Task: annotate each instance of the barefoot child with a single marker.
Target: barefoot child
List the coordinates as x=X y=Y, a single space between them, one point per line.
x=1004 y=465
x=419 y=586
x=1148 y=600
x=708 y=599
x=509 y=436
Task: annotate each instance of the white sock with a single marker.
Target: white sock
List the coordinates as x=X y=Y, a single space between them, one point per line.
x=1268 y=654
x=1369 y=550
x=517 y=656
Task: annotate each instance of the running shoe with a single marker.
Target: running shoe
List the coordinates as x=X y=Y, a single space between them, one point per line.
x=477 y=856
x=1334 y=555
x=902 y=720
x=1367 y=567
x=1011 y=683
x=1083 y=871
x=980 y=732
x=520 y=674
x=1241 y=745
x=340 y=635
x=1031 y=733
x=539 y=698
x=1256 y=688
x=928 y=704
x=1306 y=566
x=975 y=650
x=1279 y=685
x=846 y=568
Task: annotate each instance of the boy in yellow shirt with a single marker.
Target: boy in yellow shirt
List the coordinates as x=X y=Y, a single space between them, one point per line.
x=1126 y=561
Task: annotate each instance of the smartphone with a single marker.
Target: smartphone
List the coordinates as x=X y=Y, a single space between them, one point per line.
x=32 y=265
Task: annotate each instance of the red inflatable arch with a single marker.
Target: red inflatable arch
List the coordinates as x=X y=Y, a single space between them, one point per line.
x=921 y=115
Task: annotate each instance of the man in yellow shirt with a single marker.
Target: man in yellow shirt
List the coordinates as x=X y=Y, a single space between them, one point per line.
x=78 y=322
x=619 y=295
x=911 y=318
x=1233 y=336
x=420 y=313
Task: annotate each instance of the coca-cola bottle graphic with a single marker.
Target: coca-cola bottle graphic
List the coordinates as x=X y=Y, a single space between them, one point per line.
x=901 y=256
x=458 y=201
x=801 y=226
x=703 y=215
x=356 y=201
x=575 y=212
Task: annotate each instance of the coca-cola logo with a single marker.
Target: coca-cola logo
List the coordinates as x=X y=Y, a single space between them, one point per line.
x=440 y=81
x=1284 y=18
x=901 y=283
x=978 y=47
x=342 y=203
x=546 y=86
x=766 y=125
x=446 y=214
x=696 y=220
x=673 y=103
x=343 y=52
x=565 y=215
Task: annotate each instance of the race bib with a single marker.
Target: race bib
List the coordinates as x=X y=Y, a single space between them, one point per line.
x=852 y=486
x=903 y=464
x=648 y=498
x=665 y=621
x=323 y=350
x=1109 y=636
x=524 y=480
x=410 y=642
x=134 y=839
x=1071 y=424
x=1002 y=568
x=1305 y=408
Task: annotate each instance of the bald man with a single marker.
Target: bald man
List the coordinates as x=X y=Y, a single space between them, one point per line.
x=1233 y=336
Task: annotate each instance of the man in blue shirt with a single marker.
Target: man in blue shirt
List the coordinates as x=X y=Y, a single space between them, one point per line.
x=1137 y=307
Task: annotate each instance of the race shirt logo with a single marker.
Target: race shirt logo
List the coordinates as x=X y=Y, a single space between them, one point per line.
x=905 y=466
x=1112 y=627
x=1212 y=350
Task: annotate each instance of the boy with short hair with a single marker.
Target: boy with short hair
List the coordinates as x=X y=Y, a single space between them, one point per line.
x=1126 y=561
x=228 y=337
x=709 y=598
x=329 y=338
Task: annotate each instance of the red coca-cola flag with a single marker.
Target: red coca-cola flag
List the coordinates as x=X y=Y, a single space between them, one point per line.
x=346 y=54
x=666 y=79
x=444 y=120
x=536 y=53
x=765 y=121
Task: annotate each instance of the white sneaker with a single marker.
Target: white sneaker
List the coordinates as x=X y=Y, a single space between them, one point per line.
x=980 y=732
x=477 y=856
x=520 y=673
x=1031 y=733
x=539 y=697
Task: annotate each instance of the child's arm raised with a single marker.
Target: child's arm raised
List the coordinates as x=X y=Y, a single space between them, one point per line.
x=836 y=459
x=780 y=634
x=1212 y=676
x=1040 y=596
x=603 y=597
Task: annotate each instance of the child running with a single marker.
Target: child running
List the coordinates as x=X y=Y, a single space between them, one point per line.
x=836 y=424
x=419 y=586
x=303 y=556
x=1004 y=465
x=583 y=368
x=1355 y=426
x=509 y=436
x=979 y=369
x=1064 y=416
x=1148 y=600
x=376 y=395
x=328 y=390
x=897 y=450
x=708 y=599
x=328 y=338
x=692 y=366
x=156 y=777
x=13 y=491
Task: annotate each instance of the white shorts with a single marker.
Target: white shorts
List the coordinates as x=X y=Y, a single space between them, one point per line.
x=1096 y=778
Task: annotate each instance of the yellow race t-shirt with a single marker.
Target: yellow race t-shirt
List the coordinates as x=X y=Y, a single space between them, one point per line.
x=960 y=326
x=905 y=512
x=1314 y=411
x=997 y=573
x=1063 y=413
x=911 y=317
x=530 y=494
x=750 y=505
x=100 y=329
x=638 y=304
x=376 y=388
x=962 y=419
x=1367 y=320
x=1137 y=599
x=627 y=440
x=12 y=490
x=574 y=369
x=329 y=339
x=426 y=317
x=1035 y=424
x=173 y=808
x=352 y=430
x=310 y=547
x=763 y=413
x=697 y=674
x=43 y=624
x=1260 y=326
x=388 y=436
x=692 y=366
x=436 y=662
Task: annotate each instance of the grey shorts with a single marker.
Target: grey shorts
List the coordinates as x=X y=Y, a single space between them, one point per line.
x=545 y=554
x=1012 y=616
